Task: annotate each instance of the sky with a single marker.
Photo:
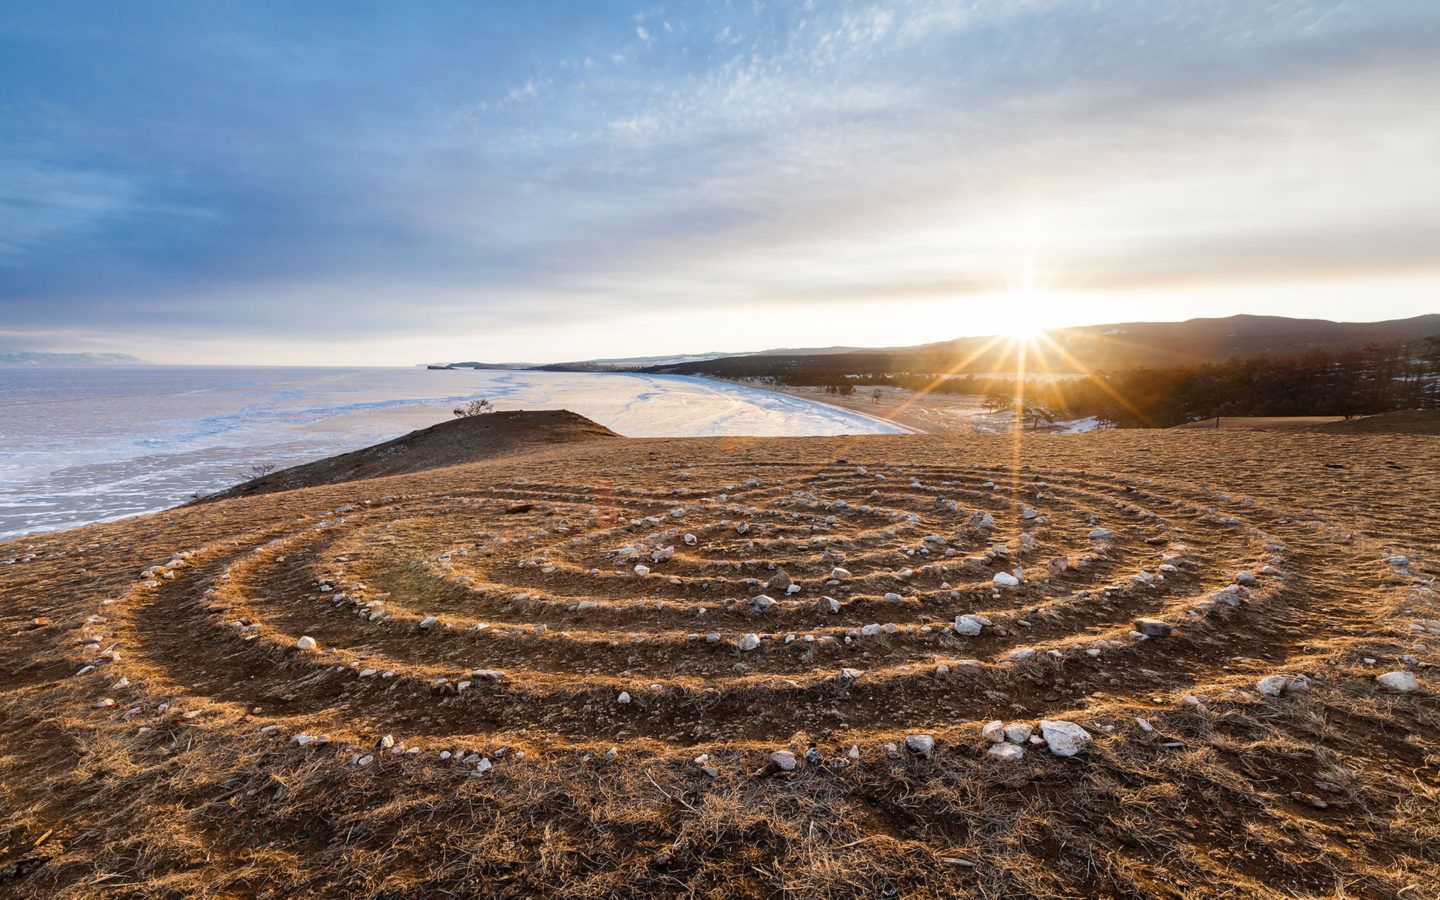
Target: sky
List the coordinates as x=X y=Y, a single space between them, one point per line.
x=397 y=183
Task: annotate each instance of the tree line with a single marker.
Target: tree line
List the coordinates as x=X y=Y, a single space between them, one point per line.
x=1374 y=379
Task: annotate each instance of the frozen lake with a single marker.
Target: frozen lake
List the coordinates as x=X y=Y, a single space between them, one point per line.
x=91 y=444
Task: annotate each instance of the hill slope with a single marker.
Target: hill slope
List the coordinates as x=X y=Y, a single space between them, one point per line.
x=549 y=674
x=448 y=444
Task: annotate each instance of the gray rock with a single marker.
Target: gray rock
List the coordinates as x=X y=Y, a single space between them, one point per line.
x=1153 y=627
x=921 y=744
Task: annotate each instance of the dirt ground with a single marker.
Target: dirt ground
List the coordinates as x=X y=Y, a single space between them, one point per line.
x=529 y=676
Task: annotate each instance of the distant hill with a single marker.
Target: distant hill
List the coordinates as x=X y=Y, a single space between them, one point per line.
x=1094 y=347
x=37 y=358
x=479 y=365
x=447 y=444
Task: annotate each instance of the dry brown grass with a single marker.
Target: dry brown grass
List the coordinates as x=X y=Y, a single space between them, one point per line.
x=1218 y=801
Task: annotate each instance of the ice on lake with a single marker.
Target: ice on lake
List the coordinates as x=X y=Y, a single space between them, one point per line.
x=91 y=444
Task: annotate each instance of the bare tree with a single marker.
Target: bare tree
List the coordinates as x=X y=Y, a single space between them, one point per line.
x=259 y=470
x=474 y=408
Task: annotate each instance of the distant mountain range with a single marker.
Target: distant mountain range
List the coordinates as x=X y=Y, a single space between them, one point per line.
x=1122 y=345
x=37 y=358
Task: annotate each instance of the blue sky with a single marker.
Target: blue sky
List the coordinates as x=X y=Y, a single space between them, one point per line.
x=394 y=183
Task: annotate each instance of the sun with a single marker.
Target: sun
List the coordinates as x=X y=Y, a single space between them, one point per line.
x=1023 y=331
x=1024 y=314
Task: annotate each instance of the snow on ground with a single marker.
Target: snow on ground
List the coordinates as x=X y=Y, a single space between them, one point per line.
x=677 y=406
x=1080 y=426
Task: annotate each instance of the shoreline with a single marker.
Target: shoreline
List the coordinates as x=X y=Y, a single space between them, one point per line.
x=142 y=443
x=773 y=389
x=910 y=424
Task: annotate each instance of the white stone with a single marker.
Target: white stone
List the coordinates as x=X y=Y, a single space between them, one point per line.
x=784 y=760
x=1018 y=732
x=749 y=642
x=642 y=570
x=1006 y=752
x=968 y=625
x=994 y=732
x=1404 y=682
x=839 y=574
x=1064 y=738
x=1272 y=685
x=428 y=622
x=306 y=642
x=624 y=698
x=1005 y=579
x=762 y=603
